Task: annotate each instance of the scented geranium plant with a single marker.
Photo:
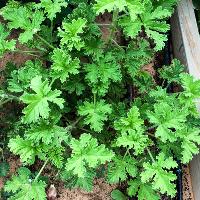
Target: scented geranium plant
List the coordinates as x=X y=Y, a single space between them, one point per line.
x=86 y=104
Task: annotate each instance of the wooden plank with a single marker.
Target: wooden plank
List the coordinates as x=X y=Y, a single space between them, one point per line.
x=186 y=47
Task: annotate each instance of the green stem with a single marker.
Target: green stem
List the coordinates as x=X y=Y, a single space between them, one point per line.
x=2 y=154
x=95 y=98
x=121 y=16
x=150 y=154
x=8 y=98
x=113 y=25
x=51 y=30
x=4 y=102
x=168 y=85
x=52 y=81
x=120 y=47
x=86 y=130
x=151 y=135
x=76 y=122
x=127 y=151
x=43 y=166
x=103 y=24
x=26 y=52
x=45 y=42
x=163 y=83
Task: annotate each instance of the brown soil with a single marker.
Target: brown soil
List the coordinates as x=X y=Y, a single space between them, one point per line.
x=150 y=69
x=14 y=164
x=105 y=29
x=15 y=58
x=1 y=183
x=101 y=191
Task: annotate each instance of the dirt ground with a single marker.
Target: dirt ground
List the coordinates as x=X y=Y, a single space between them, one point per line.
x=101 y=191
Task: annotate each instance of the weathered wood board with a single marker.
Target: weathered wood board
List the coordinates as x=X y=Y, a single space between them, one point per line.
x=186 y=47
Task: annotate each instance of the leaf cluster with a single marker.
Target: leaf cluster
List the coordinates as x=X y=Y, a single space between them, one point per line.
x=89 y=105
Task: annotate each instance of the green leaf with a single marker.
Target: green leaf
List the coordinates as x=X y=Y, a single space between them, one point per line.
x=130 y=28
x=86 y=152
x=144 y=81
x=28 y=149
x=4 y=169
x=75 y=85
x=133 y=188
x=169 y=4
x=159 y=172
x=73 y=181
x=190 y=139
x=118 y=195
x=54 y=153
x=20 y=79
x=95 y=114
x=152 y=19
x=134 y=7
x=133 y=140
x=24 y=18
x=167 y=117
x=137 y=56
x=120 y=168
x=24 y=148
x=49 y=134
x=5 y=45
x=87 y=182
x=172 y=73
x=63 y=65
x=131 y=122
x=38 y=103
x=144 y=191
x=70 y=33
x=52 y=7
x=190 y=85
x=24 y=187
x=101 y=73
x=102 y=5
x=158 y=38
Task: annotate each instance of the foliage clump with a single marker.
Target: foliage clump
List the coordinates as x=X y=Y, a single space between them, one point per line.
x=86 y=103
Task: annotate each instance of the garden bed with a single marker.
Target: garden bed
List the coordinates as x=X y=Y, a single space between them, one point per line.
x=97 y=109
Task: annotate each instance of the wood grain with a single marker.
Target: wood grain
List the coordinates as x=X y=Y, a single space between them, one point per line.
x=186 y=47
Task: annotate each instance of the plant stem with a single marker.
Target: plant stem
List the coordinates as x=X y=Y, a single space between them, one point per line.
x=151 y=135
x=86 y=130
x=95 y=98
x=8 y=98
x=120 y=47
x=26 y=52
x=52 y=81
x=127 y=151
x=2 y=154
x=45 y=42
x=103 y=24
x=4 y=102
x=113 y=25
x=76 y=122
x=51 y=30
x=149 y=152
x=43 y=166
